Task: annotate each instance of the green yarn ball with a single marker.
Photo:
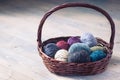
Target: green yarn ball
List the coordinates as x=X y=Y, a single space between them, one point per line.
x=97 y=48
x=97 y=55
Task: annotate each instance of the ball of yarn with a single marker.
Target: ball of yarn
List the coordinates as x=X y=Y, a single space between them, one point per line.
x=77 y=47
x=61 y=55
x=89 y=39
x=97 y=55
x=94 y=48
x=79 y=57
x=99 y=44
x=50 y=49
x=72 y=40
x=62 y=44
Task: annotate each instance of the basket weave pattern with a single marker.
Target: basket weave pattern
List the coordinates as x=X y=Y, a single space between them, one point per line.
x=64 y=68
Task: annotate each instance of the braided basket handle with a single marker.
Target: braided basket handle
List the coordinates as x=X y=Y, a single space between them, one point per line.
x=39 y=34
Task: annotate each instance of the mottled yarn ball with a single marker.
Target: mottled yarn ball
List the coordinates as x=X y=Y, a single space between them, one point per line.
x=94 y=48
x=89 y=39
x=97 y=55
x=50 y=49
x=79 y=57
x=72 y=40
x=62 y=44
x=77 y=47
x=61 y=55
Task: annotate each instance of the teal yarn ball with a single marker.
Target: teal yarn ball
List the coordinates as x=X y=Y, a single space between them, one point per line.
x=89 y=39
x=79 y=57
x=97 y=55
x=77 y=47
x=50 y=49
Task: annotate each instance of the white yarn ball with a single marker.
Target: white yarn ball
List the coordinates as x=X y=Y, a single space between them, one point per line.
x=61 y=55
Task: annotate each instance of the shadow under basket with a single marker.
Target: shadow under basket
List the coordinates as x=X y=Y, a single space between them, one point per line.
x=65 y=68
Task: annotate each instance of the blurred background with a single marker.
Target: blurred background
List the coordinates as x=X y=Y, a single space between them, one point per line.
x=19 y=21
x=38 y=6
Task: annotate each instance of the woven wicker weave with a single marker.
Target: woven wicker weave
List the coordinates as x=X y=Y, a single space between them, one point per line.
x=64 y=68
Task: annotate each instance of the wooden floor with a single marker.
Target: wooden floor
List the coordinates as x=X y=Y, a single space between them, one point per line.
x=19 y=20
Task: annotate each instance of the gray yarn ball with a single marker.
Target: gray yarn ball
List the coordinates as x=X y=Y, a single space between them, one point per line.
x=89 y=39
x=79 y=57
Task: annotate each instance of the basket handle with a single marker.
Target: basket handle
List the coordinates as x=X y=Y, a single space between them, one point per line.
x=39 y=34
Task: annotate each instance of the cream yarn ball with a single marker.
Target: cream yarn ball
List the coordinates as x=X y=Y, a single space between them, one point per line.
x=61 y=55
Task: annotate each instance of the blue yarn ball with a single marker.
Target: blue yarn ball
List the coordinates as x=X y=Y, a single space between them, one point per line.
x=79 y=57
x=89 y=39
x=77 y=47
x=73 y=40
x=50 y=49
x=97 y=55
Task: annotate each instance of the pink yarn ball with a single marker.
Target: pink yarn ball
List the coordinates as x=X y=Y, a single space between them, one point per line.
x=62 y=44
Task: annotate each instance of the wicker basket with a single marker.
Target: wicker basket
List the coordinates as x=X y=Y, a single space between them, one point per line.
x=64 y=68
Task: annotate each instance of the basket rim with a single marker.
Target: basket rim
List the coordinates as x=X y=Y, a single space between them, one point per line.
x=42 y=54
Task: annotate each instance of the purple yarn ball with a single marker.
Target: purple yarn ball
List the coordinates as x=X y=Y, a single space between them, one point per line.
x=62 y=44
x=50 y=49
x=72 y=40
x=79 y=57
x=89 y=39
